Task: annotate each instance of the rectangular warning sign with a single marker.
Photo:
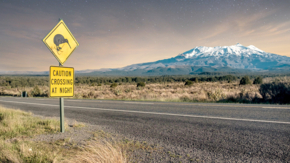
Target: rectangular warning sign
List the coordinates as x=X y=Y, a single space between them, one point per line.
x=61 y=81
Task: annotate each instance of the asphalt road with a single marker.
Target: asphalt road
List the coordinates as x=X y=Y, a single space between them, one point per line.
x=204 y=132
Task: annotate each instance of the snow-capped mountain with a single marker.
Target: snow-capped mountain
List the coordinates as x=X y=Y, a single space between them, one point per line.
x=235 y=57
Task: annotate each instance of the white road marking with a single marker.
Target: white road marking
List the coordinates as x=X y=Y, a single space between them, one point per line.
x=28 y=98
x=276 y=108
x=181 y=104
x=74 y=100
x=144 y=103
x=28 y=103
x=82 y=101
x=156 y=113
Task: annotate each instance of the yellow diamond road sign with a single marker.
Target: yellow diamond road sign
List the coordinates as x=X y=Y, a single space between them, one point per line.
x=60 y=42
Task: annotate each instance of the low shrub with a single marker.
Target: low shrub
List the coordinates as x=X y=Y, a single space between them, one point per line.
x=185 y=99
x=35 y=92
x=275 y=92
x=216 y=95
x=114 y=85
x=91 y=94
x=140 y=84
x=117 y=92
x=258 y=80
x=128 y=90
x=245 y=80
x=188 y=82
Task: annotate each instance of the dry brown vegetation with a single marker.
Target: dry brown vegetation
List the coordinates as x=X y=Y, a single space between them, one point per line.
x=205 y=91
x=18 y=127
x=166 y=91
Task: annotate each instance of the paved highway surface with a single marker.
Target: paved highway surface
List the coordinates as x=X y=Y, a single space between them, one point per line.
x=208 y=132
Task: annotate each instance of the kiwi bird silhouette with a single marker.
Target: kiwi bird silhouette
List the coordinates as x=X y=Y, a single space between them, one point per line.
x=59 y=39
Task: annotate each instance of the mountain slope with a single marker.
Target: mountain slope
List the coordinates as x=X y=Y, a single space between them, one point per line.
x=235 y=57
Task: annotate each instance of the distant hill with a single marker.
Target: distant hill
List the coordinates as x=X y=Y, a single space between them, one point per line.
x=180 y=70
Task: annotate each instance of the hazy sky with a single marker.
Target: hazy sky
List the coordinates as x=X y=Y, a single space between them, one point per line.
x=117 y=33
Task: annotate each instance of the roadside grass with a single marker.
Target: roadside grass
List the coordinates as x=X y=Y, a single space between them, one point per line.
x=222 y=91
x=99 y=151
x=17 y=127
x=132 y=148
x=15 y=123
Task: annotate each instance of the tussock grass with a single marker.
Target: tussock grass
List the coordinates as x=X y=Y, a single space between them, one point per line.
x=14 y=123
x=99 y=151
x=16 y=127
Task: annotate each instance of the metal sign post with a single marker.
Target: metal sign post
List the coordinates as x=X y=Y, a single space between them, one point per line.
x=61 y=81
x=61 y=44
x=61 y=105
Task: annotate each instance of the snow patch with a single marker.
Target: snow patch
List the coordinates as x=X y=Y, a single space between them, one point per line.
x=254 y=48
x=236 y=50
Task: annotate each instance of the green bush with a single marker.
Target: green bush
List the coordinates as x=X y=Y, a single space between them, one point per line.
x=258 y=80
x=245 y=80
x=185 y=99
x=36 y=91
x=276 y=92
x=140 y=84
x=188 y=82
x=114 y=85
x=99 y=84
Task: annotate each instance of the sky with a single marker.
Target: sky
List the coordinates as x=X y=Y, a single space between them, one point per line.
x=118 y=33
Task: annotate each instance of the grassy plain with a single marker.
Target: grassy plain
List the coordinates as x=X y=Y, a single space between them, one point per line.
x=219 y=91
x=177 y=91
x=204 y=92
